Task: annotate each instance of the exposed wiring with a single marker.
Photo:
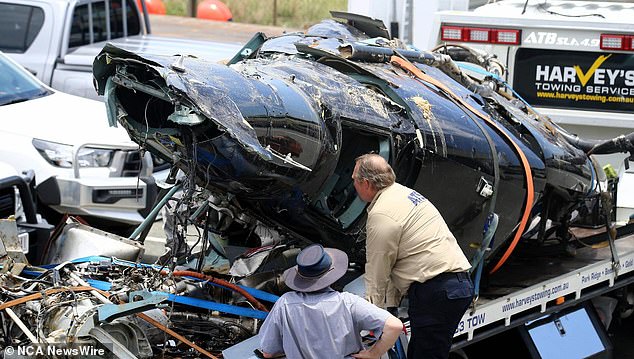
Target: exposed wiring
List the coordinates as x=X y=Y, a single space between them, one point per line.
x=222 y=283
x=175 y=335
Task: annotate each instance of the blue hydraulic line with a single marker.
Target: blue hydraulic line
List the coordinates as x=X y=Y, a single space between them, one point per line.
x=400 y=350
x=592 y=179
x=479 y=70
x=224 y=308
x=149 y=219
x=256 y=293
x=30 y=273
x=194 y=302
x=490 y=227
x=101 y=285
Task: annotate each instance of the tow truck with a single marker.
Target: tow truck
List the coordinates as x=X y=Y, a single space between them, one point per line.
x=554 y=307
x=573 y=61
x=538 y=307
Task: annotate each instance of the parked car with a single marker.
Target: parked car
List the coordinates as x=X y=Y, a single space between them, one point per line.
x=82 y=165
x=57 y=40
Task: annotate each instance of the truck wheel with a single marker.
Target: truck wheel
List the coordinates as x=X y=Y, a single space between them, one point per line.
x=629 y=299
x=458 y=354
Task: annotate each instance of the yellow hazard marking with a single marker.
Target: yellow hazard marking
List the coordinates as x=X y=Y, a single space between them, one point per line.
x=585 y=77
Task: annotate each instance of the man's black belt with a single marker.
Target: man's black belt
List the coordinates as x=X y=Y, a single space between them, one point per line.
x=447 y=275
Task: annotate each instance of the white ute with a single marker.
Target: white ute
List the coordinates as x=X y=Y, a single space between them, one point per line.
x=57 y=40
x=82 y=166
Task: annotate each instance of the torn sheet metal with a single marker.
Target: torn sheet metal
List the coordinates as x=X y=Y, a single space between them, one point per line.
x=11 y=251
x=78 y=240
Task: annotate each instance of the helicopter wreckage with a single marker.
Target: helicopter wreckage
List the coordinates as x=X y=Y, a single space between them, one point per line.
x=273 y=136
x=267 y=143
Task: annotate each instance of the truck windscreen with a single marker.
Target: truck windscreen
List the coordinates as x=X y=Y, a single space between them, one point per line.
x=80 y=29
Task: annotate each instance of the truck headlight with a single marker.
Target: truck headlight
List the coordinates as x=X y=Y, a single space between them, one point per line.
x=61 y=155
x=94 y=157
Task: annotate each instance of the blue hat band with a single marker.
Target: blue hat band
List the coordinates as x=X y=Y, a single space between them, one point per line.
x=316 y=269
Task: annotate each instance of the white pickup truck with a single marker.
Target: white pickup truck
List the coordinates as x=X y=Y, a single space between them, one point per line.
x=57 y=40
x=82 y=166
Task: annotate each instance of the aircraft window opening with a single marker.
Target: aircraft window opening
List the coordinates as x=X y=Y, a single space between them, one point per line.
x=338 y=199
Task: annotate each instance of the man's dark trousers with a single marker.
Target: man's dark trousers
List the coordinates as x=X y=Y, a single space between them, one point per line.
x=435 y=309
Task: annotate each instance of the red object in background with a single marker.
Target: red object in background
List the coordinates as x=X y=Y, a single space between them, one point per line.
x=213 y=10
x=153 y=6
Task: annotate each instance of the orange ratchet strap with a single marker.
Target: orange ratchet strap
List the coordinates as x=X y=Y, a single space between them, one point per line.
x=421 y=76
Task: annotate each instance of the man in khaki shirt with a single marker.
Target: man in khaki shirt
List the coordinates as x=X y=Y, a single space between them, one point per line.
x=411 y=251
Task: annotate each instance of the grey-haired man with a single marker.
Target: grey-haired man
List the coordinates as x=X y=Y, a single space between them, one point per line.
x=315 y=321
x=410 y=250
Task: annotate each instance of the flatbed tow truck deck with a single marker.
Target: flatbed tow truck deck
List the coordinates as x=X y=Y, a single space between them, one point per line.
x=527 y=289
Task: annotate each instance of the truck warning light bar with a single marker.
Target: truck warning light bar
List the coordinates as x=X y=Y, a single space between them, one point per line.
x=479 y=34
x=617 y=42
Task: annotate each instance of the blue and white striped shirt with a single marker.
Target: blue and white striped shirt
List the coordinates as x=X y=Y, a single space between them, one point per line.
x=325 y=324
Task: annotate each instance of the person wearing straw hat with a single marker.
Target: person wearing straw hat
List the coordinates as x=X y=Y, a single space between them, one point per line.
x=315 y=321
x=410 y=250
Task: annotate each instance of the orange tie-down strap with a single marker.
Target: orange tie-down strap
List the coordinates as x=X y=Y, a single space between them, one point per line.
x=528 y=176
x=143 y=316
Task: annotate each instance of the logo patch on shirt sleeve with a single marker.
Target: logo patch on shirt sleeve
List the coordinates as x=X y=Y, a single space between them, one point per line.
x=416 y=198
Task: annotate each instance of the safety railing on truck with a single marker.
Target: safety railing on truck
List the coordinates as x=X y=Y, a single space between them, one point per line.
x=492 y=316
